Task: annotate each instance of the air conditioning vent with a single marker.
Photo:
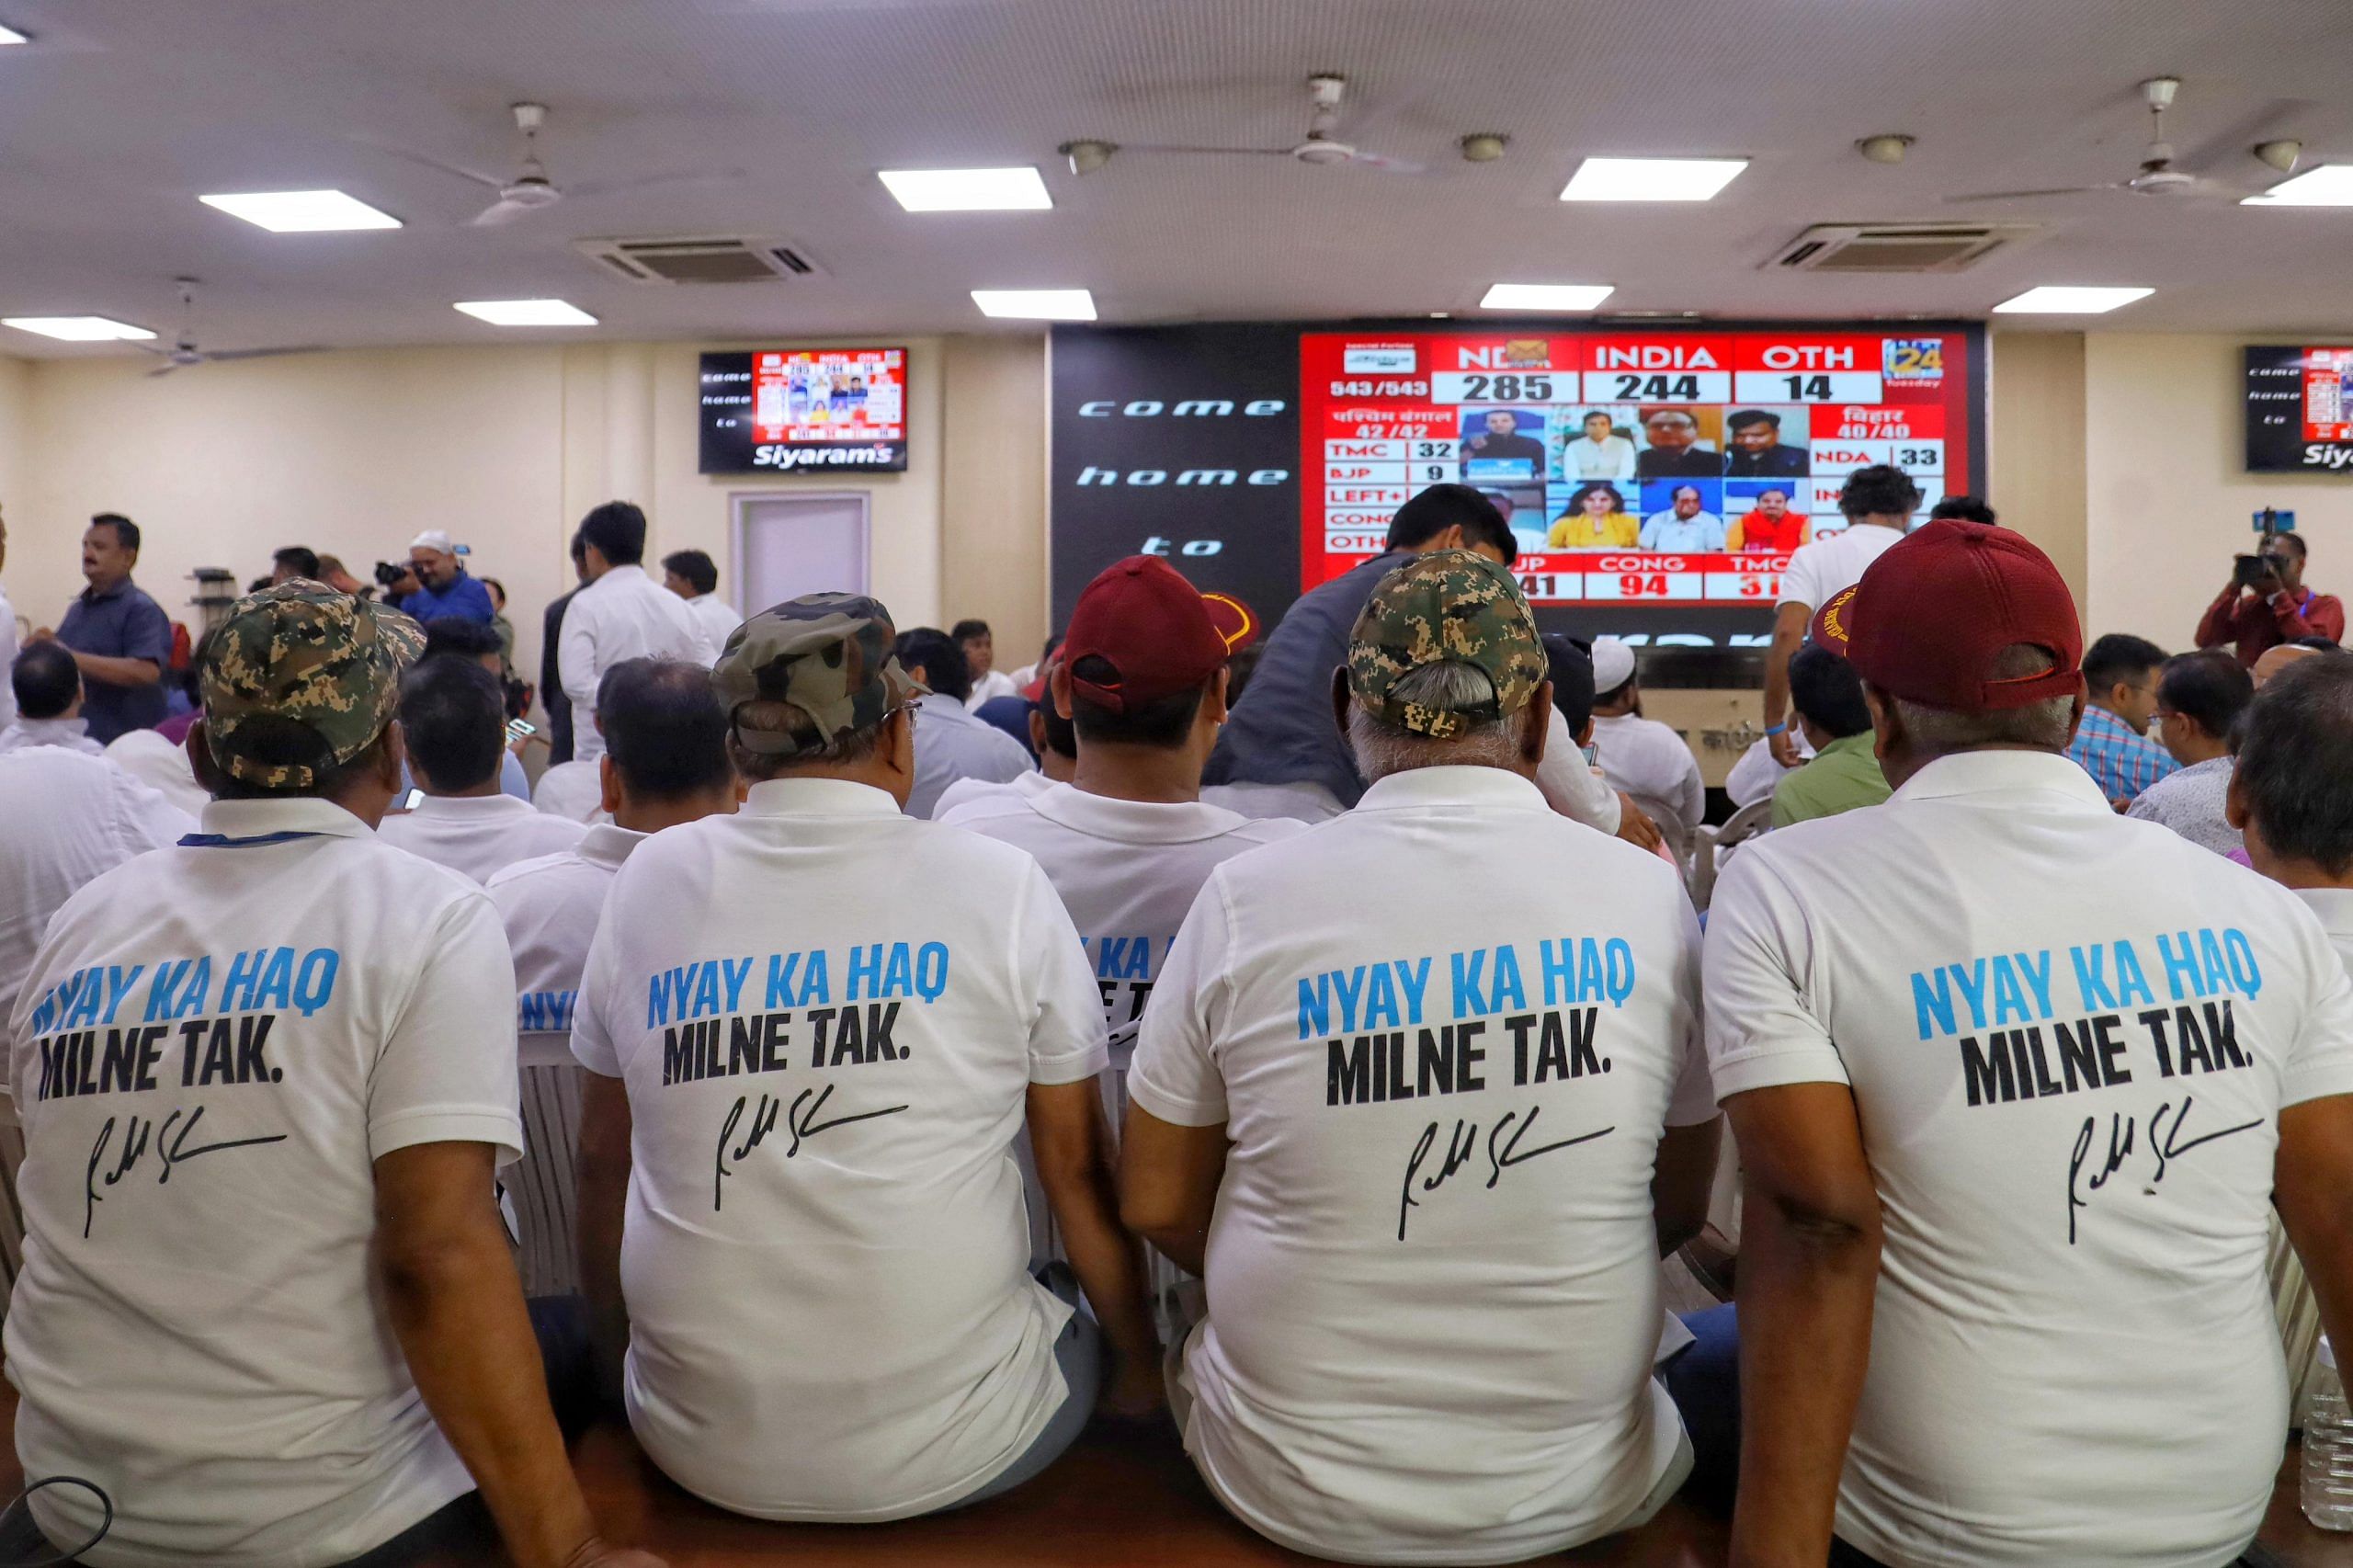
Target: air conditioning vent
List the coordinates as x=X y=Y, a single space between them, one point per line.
x=724 y=258
x=1897 y=247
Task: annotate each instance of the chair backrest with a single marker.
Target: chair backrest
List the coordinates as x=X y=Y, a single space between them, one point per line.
x=1712 y=844
x=1671 y=825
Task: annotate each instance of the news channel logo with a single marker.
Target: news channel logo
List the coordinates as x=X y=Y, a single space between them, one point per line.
x=1912 y=361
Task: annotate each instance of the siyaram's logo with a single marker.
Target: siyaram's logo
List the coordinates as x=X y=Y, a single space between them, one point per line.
x=2321 y=454
x=822 y=457
x=1184 y=408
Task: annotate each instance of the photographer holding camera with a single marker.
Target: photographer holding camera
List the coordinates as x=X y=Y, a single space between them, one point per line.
x=2266 y=603
x=435 y=583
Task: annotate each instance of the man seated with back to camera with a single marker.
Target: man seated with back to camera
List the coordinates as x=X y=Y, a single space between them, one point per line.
x=951 y=745
x=2200 y=698
x=48 y=688
x=453 y=715
x=307 y=1348
x=1280 y=755
x=664 y=763
x=2255 y=613
x=1052 y=738
x=1646 y=760
x=1127 y=844
x=2016 y=1084
x=1460 y=1375
x=853 y=1335
x=1843 y=773
x=452 y=636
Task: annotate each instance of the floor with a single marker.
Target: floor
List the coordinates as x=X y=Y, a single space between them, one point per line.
x=1123 y=1498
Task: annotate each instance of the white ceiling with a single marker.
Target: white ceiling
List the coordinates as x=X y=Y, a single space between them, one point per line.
x=122 y=111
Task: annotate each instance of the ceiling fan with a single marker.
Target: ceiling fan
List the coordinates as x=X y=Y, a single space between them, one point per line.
x=2158 y=174
x=184 y=352
x=531 y=188
x=1326 y=90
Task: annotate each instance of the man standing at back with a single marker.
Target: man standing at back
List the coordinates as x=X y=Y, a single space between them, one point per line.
x=444 y=587
x=620 y=613
x=294 y=1351
x=1415 y=1351
x=2015 y=1081
x=1128 y=843
x=122 y=638
x=817 y=1026
x=1877 y=503
x=694 y=577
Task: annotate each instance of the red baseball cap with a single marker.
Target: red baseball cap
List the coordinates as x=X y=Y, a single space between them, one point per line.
x=1932 y=612
x=1160 y=634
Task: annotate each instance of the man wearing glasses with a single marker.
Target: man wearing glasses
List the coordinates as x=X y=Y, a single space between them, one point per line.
x=2112 y=743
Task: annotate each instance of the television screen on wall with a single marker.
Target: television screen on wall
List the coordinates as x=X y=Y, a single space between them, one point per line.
x=2300 y=410
x=1656 y=480
x=804 y=411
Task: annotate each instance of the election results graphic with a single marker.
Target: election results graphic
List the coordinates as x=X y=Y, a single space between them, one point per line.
x=803 y=410
x=1638 y=469
x=1658 y=480
x=2300 y=410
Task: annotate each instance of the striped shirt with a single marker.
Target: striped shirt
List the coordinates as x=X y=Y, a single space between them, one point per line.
x=2121 y=759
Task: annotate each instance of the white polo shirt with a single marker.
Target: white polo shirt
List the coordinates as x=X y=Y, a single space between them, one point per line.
x=716 y=616
x=161 y=766
x=2334 y=908
x=1818 y=572
x=622 y=614
x=827 y=1016
x=951 y=745
x=476 y=834
x=573 y=790
x=550 y=906
x=1648 y=759
x=970 y=794
x=2069 y=1035
x=21 y=734
x=65 y=818
x=1127 y=871
x=259 y=1021
x=1415 y=1351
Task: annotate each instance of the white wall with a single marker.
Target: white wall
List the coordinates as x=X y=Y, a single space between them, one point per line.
x=354 y=453
x=2168 y=498
x=16 y=391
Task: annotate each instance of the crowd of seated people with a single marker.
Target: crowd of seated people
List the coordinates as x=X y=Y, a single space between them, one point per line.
x=870 y=1068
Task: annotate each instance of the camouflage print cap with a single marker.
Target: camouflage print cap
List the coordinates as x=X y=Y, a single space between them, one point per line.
x=827 y=655
x=299 y=679
x=1448 y=606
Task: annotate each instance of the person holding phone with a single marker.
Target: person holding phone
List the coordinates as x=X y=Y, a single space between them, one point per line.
x=2266 y=603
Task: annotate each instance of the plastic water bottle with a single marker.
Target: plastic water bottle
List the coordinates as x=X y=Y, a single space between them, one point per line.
x=2328 y=1450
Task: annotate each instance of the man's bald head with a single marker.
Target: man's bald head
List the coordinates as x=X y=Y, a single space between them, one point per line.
x=2274 y=660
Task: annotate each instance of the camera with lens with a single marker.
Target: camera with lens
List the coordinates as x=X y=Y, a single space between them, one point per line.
x=391 y=571
x=2249 y=570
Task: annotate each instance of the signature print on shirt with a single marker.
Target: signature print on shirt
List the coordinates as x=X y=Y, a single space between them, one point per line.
x=1368 y=1065
x=87 y=1044
x=1995 y=1009
x=707 y=1032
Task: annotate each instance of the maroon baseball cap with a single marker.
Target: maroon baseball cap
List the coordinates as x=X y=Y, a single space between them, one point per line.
x=1932 y=612
x=1160 y=634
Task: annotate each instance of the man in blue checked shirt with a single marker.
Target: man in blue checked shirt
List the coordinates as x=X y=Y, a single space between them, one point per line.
x=2112 y=743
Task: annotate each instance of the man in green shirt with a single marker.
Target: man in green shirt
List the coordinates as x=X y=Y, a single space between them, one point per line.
x=1844 y=772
